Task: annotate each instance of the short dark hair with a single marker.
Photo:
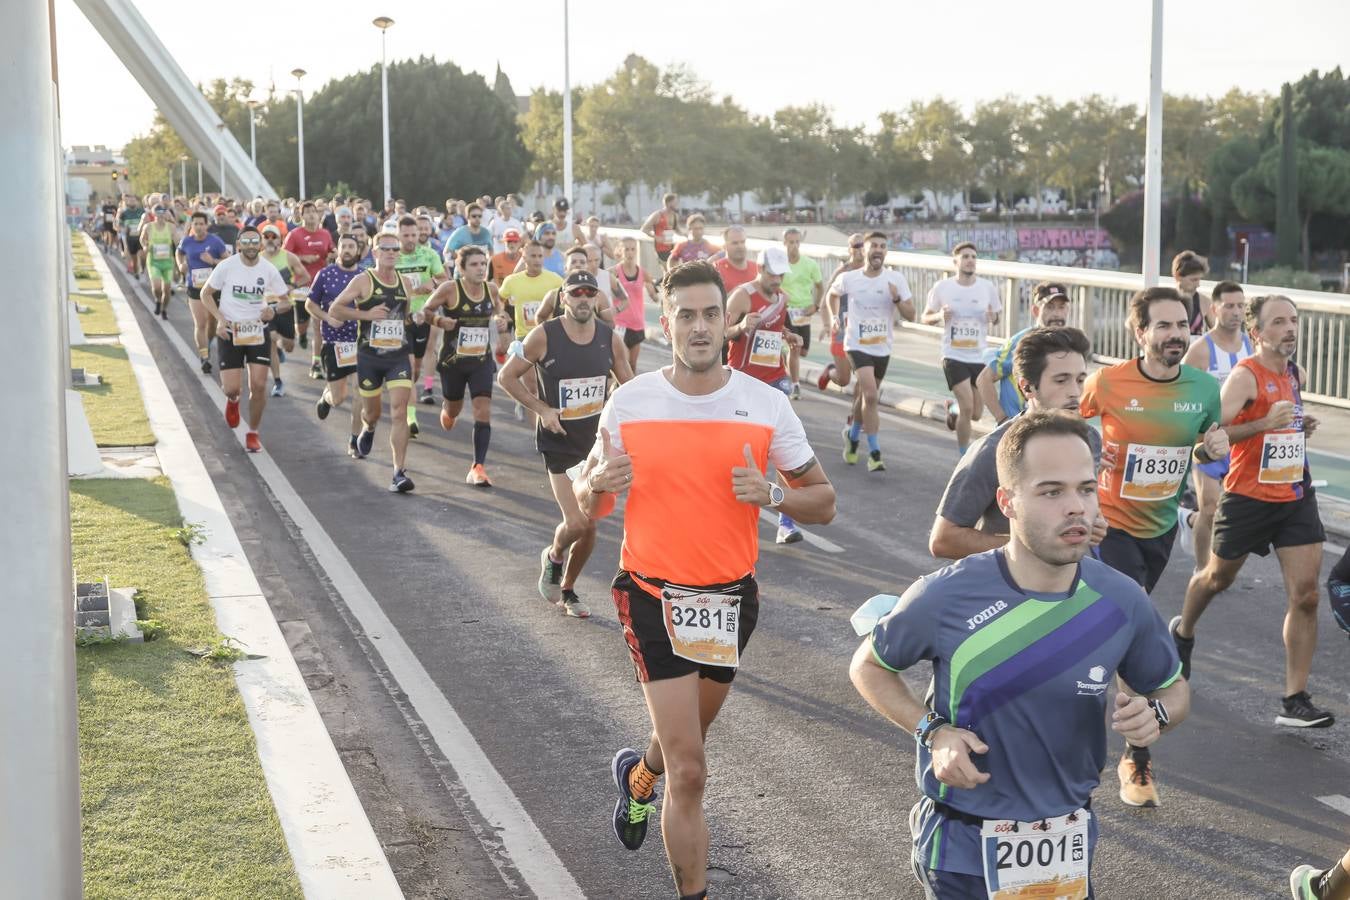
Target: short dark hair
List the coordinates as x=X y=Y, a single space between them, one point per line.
x=463 y=253
x=406 y=219
x=575 y=249
x=308 y=204
x=1224 y=287
x=669 y=197
x=349 y=236
x=1036 y=346
x=1049 y=422
x=688 y=274
x=1188 y=262
x=1252 y=319
x=532 y=243
x=877 y=236
x=965 y=245
x=1142 y=302
x=471 y=207
x=201 y=215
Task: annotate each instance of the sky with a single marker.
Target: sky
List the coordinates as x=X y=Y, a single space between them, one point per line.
x=764 y=54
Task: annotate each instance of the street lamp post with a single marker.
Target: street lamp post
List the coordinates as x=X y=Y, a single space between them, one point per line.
x=300 y=126
x=383 y=23
x=1153 y=155
x=1246 y=248
x=253 y=131
x=201 y=191
x=567 y=109
x=220 y=126
x=182 y=173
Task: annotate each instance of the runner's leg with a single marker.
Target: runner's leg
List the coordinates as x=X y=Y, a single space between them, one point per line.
x=257 y=394
x=398 y=430
x=964 y=393
x=674 y=708
x=574 y=538
x=1214 y=578
x=1300 y=566
x=1207 y=493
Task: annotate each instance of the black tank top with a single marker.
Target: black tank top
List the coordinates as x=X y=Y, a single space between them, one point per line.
x=395 y=299
x=574 y=378
x=471 y=313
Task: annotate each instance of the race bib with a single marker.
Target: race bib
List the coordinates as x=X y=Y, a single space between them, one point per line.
x=1046 y=859
x=703 y=628
x=873 y=332
x=107 y=217
x=472 y=341
x=667 y=237
x=966 y=334
x=528 y=311
x=1281 y=458
x=1153 y=473
x=620 y=330
x=766 y=349
x=413 y=280
x=199 y=277
x=161 y=251
x=345 y=353
x=581 y=398
x=799 y=316
x=386 y=334
x=247 y=334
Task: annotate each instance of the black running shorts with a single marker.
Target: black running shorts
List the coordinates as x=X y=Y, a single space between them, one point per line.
x=1245 y=525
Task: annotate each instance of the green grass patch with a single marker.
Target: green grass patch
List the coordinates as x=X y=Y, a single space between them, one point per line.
x=99 y=320
x=173 y=796
x=114 y=408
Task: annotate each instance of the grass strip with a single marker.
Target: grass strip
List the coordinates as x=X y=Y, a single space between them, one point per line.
x=114 y=408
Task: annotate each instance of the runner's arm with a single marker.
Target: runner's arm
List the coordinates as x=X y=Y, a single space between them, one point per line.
x=536 y=345
x=738 y=307
x=1239 y=390
x=649 y=226
x=884 y=690
x=808 y=496
x=344 y=307
x=987 y=385
x=1177 y=698
x=947 y=540
x=623 y=372
x=545 y=310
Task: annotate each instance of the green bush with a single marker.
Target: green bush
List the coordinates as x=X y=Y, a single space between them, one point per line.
x=1284 y=276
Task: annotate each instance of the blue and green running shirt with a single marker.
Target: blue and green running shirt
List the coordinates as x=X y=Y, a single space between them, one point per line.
x=1028 y=675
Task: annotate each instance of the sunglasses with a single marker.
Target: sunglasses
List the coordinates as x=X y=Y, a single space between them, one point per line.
x=583 y=292
x=248 y=242
x=855 y=246
x=385 y=248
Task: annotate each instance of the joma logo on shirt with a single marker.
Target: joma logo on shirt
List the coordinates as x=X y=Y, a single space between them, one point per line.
x=985 y=615
x=1187 y=407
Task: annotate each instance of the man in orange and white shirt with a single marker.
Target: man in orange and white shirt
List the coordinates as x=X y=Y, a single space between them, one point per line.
x=688 y=445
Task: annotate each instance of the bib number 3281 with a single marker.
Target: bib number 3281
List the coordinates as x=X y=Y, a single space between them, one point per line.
x=703 y=628
x=1045 y=859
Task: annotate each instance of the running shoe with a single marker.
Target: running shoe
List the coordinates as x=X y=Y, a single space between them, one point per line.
x=365 y=442
x=164 y=313
x=281 y=354
x=1184 y=646
x=796 y=392
x=1137 y=787
x=630 y=813
x=1302 y=882
x=874 y=463
x=323 y=407
x=951 y=415
x=401 y=483
x=574 y=606
x=352 y=450
x=304 y=340
x=206 y=366
x=788 y=534
x=447 y=420
x=1186 y=530
x=823 y=381
x=550 y=578
x=158 y=307
x=316 y=369
x=850 y=448
x=278 y=389
x=427 y=396
x=251 y=442
x=1299 y=712
x=232 y=413
x=414 y=429
x=478 y=476
x=1339 y=592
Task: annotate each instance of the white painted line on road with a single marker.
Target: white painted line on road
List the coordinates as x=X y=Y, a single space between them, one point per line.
x=1338 y=802
x=814 y=540
x=526 y=849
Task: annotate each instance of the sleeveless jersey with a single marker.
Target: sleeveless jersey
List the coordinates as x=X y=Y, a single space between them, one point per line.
x=1270 y=466
x=631 y=317
x=1221 y=362
x=395 y=299
x=160 y=250
x=467 y=347
x=664 y=239
x=282 y=260
x=759 y=352
x=574 y=378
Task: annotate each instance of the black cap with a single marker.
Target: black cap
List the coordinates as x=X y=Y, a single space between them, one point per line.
x=561 y=203
x=580 y=280
x=1048 y=290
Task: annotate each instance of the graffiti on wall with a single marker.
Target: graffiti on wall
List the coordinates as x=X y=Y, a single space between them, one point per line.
x=1079 y=246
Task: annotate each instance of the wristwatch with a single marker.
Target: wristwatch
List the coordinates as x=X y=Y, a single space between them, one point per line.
x=927 y=727
x=1160 y=713
x=775 y=495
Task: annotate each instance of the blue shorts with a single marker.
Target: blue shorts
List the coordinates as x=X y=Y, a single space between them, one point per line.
x=1217 y=469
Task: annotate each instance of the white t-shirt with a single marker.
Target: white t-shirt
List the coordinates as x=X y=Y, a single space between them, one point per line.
x=500 y=227
x=964 y=338
x=241 y=289
x=871 y=307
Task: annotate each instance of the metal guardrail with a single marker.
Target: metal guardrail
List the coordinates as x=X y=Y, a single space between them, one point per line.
x=1100 y=306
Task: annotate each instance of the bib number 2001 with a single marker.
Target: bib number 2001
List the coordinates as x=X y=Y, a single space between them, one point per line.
x=1049 y=858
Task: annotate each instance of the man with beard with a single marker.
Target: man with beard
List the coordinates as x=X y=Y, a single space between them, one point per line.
x=1023 y=641
x=1001 y=391
x=735 y=265
x=572 y=357
x=312 y=244
x=1152 y=409
x=840 y=371
x=338 y=353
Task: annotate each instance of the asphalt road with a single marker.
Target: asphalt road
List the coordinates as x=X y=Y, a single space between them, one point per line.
x=809 y=789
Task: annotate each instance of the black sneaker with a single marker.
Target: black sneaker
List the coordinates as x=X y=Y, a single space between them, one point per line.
x=353 y=451
x=413 y=429
x=1339 y=593
x=574 y=606
x=630 y=814
x=206 y=366
x=323 y=407
x=401 y=483
x=158 y=308
x=365 y=442
x=427 y=396
x=304 y=340
x=1184 y=646
x=550 y=578
x=1299 y=712
x=316 y=370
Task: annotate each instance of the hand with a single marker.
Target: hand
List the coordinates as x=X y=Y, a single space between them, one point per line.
x=951 y=749
x=221 y=331
x=1216 y=442
x=552 y=421
x=615 y=472
x=750 y=321
x=834 y=330
x=419 y=317
x=333 y=323
x=1099 y=526
x=991 y=315
x=748 y=482
x=1134 y=719
x=792 y=339
x=1281 y=415
x=268 y=314
x=946 y=314
x=1310 y=423
x=377 y=312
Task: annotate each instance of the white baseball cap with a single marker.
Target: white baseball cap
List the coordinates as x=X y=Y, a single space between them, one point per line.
x=774 y=260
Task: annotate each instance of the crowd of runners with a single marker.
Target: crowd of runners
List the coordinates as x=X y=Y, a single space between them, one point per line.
x=1056 y=531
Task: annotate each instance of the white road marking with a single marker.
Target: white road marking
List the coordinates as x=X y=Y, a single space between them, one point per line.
x=523 y=844
x=814 y=540
x=1338 y=802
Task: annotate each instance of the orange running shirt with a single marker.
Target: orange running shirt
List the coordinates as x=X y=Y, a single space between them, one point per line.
x=1270 y=465
x=682 y=523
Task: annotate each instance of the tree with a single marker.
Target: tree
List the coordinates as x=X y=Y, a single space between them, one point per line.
x=1226 y=164
x=541 y=132
x=1322 y=189
x=998 y=145
x=501 y=86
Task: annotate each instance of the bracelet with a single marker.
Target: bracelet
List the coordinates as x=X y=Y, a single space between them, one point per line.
x=931 y=722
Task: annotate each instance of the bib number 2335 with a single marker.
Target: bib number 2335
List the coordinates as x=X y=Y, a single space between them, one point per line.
x=1046 y=859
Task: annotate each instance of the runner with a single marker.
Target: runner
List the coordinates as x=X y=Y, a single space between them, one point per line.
x=1268 y=500
x=568 y=232
x=523 y=292
x=757 y=337
x=572 y=357
x=1331 y=883
x=503 y=222
x=225 y=227
x=996 y=385
x=130 y=219
x=422 y=272
x=281 y=329
x=252 y=294
x=339 y=338
x=1052 y=364
x=630 y=317
x=465 y=309
x=379 y=304
x=695 y=246
x=664 y=226
x=159 y=237
x=1217 y=352
x=197 y=253
x=602 y=242
x=1023 y=641
x=579 y=259
x=472 y=233
x=107 y=229
x=1188 y=268
x=833 y=313
x=804 y=288
x=965 y=307
x=547 y=235
x=688 y=444
x=505 y=261
x=1152 y=409
x=312 y=245
x=734 y=267
x=875 y=295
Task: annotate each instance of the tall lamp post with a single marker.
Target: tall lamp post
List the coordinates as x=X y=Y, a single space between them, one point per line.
x=182 y=174
x=253 y=131
x=300 y=126
x=383 y=23
x=1153 y=155
x=220 y=126
x=567 y=109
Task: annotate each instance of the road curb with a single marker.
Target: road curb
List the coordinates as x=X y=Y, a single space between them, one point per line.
x=332 y=843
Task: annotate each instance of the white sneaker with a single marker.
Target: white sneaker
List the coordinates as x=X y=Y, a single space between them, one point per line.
x=1185 y=531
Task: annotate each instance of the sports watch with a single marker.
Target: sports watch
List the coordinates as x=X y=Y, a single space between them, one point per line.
x=775 y=495
x=1160 y=713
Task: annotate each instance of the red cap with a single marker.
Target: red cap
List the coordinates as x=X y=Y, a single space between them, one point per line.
x=220 y=209
x=511 y=234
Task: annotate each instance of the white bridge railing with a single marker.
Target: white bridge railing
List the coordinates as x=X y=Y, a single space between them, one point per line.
x=1100 y=305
